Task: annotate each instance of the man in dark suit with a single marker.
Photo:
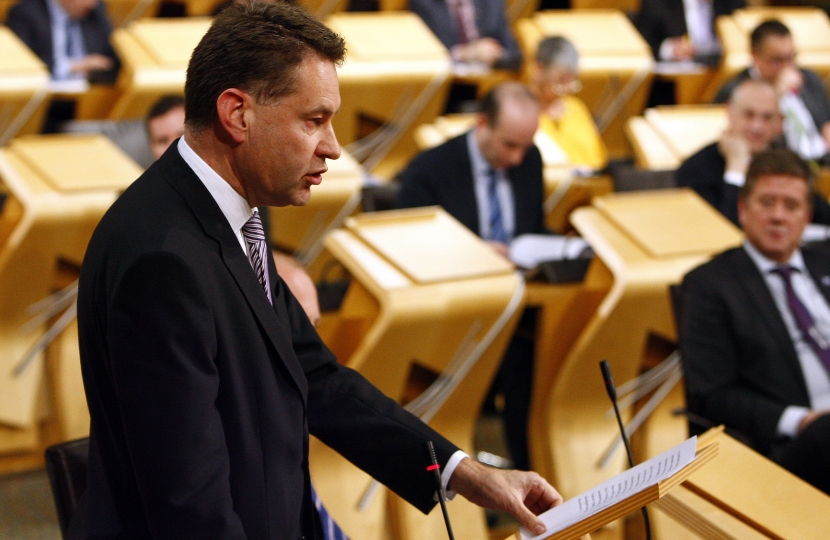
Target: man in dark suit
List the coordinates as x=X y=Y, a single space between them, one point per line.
x=77 y=30
x=755 y=326
x=203 y=375
x=673 y=36
x=717 y=171
x=490 y=179
x=495 y=161
x=803 y=97
x=475 y=31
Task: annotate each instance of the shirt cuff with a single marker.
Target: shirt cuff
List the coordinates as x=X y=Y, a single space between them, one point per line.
x=791 y=419
x=449 y=468
x=665 y=52
x=735 y=178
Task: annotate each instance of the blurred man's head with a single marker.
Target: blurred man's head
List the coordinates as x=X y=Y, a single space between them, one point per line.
x=772 y=48
x=557 y=70
x=506 y=125
x=775 y=203
x=753 y=113
x=165 y=123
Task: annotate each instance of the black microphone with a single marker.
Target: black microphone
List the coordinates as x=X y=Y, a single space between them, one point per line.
x=435 y=469
x=612 y=394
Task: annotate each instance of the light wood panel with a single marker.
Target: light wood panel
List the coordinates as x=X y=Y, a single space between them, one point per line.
x=24 y=81
x=58 y=188
x=425 y=295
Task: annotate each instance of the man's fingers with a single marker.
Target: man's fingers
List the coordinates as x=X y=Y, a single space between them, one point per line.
x=529 y=520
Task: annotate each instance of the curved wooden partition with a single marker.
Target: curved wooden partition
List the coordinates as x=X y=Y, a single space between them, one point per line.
x=429 y=303
x=24 y=83
x=396 y=77
x=58 y=188
x=644 y=241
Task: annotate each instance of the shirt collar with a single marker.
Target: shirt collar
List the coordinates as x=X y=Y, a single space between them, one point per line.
x=766 y=265
x=481 y=168
x=235 y=208
x=56 y=12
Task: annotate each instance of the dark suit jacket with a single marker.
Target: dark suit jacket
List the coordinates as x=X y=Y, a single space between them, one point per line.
x=703 y=172
x=443 y=176
x=812 y=92
x=659 y=20
x=201 y=394
x=490 y=21
x=740 y=364
x=30 y=20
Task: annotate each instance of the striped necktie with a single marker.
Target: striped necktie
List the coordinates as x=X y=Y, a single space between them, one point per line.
x=257 y=251
x=331 y=531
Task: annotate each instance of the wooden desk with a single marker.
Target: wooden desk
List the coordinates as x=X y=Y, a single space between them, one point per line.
x=58 y=189
x=810 y=29
x=664 y=137
x=24 y=81
x=616 y=66
x=122 y=12
x=643 y=243
x=426 y=298
x=396 y=75
x=300 y=230
x=154 y=55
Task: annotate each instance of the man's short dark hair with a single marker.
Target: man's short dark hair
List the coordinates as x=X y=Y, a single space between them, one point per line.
x=770 y=27
x=255 y=47
x=493 y=100
x=164 y=105
x=778 y=162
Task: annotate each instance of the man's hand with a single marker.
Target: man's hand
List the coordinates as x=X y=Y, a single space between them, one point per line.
x=500 y=247
x=735 y=150
x=805 y=422
x=681 y=49
x=789 y=81
x=485 y=51
x=92 y=62
x=825 y=134
x=522 y=494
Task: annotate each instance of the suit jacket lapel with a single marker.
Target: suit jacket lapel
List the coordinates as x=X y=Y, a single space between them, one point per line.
x=749 y=277
x=207 y=212
x=819 y=266
x=466 y=192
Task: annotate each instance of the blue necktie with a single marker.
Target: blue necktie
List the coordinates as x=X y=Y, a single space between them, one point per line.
x=330 y=529
x=496 y=223
x=803 y=319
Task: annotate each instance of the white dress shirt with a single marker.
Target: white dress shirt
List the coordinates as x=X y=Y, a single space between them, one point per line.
x=481 y=182
x=815 y=374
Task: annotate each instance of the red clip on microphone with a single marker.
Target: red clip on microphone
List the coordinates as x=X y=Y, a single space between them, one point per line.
x=435 y=469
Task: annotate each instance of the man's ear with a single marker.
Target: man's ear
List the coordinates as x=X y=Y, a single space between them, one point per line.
x=233 y=108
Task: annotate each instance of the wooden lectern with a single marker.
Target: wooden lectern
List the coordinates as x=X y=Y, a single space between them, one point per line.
x=810 y=28
x=396 y=77
x=644 y=242
x=58 y=187
x=664 y=137
x=300 y=230
x=616 y=66
x=122 y=12
x=154 y=55
x=428 y=302
x=24 y=92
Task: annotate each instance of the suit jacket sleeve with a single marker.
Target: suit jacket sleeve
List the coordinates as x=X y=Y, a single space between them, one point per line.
x=167 y=386
x=703 y=172
x=716 y=361
x=29 y=20
x=353 y=417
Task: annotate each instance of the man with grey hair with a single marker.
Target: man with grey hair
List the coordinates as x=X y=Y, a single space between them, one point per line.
x=204 y=377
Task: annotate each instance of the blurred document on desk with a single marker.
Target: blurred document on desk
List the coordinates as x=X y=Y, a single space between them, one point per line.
x=616 y=489
x=528 y=250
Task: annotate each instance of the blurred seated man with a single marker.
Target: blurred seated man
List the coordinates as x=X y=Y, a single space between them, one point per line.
x=755 y=334
x=683 y=30
x=475 y=31
x=717 y=171
x=801 y=93
x=72 y=38
x=490 y=179
x=164 y=123
x=565 y=119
